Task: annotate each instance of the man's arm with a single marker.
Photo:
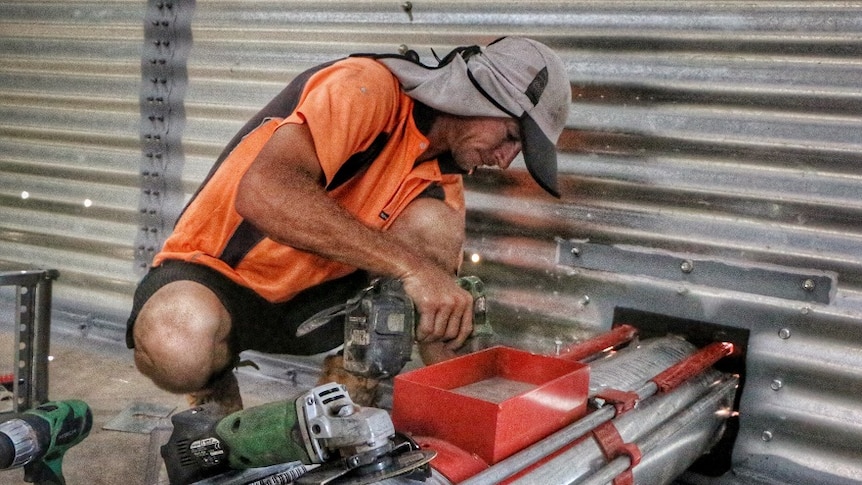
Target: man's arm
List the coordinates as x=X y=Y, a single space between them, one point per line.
x=282 y=194
x=437 y=229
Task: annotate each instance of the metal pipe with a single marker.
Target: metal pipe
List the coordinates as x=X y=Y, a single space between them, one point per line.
x=595 y=345
x=710 y=403
x=631 y=367
x=582 y=459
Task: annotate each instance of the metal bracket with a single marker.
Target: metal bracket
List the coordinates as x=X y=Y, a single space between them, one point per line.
x=32 y=335
x=767 y=280
x=164 y=78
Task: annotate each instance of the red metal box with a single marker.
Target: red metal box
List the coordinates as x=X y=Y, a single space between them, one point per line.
x=493 y=402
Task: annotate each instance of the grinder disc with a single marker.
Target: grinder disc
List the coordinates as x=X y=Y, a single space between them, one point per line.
x=398 y=464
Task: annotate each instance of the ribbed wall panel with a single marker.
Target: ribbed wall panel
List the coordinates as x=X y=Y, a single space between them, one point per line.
x=70 y=149
x=725 y=130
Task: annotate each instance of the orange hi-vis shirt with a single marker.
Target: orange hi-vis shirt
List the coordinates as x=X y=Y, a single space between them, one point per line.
x=352 y=107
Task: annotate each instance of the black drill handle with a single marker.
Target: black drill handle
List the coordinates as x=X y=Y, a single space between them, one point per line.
x=41 y=473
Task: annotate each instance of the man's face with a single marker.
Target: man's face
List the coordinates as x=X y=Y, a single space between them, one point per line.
x=486 y=141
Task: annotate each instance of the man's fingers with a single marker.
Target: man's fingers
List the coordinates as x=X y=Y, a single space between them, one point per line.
x=465 y=330
x=445 y=314
x=426 y=322
x=441 y=323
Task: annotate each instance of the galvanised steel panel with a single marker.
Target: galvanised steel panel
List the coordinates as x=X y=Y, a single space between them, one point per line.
x=70 y=149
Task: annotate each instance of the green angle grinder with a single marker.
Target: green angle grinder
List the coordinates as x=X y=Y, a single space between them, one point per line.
x=339 y=442
x=38 y=438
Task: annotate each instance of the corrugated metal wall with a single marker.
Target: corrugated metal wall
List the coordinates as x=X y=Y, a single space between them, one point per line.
x=70 y=149
x=728 y=131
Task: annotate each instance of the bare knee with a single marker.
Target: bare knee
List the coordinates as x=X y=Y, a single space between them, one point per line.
x=181 y=337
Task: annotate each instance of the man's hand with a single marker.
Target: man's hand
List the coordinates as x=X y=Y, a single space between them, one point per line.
x=435 y=352
x=445 y=309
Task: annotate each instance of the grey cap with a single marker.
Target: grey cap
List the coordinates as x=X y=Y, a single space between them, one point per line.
x=512 y=76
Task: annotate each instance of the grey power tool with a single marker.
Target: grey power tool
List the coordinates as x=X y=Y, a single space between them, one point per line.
x=341 y=443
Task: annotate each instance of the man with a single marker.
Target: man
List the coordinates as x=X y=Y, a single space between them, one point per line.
x=353 y=170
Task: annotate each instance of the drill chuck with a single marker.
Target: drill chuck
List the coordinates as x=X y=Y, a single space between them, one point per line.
x=19 y=442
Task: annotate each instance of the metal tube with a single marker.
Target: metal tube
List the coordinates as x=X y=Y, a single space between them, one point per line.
x=588 y=348
x=533 y=454
x=585 y=457
x=709 y=403
x=630 y=368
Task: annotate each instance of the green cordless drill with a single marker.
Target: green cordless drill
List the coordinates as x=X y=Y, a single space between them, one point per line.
x=38 y=438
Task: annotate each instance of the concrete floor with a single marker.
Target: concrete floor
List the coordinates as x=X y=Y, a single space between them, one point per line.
x=103 y=375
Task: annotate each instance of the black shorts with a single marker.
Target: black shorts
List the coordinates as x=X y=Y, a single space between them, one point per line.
x=258 y=324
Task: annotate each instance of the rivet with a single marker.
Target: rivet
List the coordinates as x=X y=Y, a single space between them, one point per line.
x=766 y=436
x=408 y=9
x=686 y=266
x=575 y=252
x=784 y=333
x=776 y=384
x=808 y=285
